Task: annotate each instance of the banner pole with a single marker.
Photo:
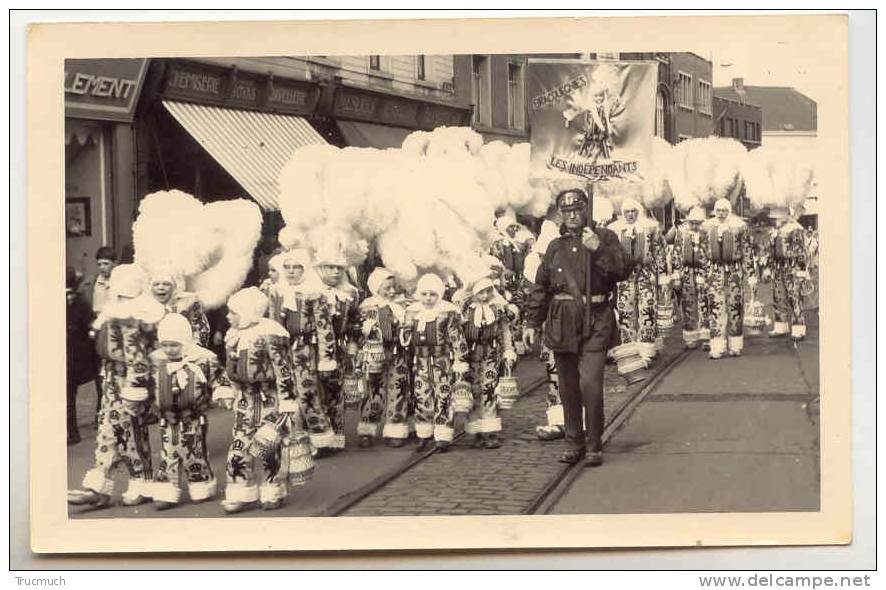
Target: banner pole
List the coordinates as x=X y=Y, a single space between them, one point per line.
x=589 y=283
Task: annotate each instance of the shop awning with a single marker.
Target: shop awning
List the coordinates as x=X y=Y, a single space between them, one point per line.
x=359 y=134
x=251 y=146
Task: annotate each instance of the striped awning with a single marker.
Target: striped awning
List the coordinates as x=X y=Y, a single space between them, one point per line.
x=251 y=146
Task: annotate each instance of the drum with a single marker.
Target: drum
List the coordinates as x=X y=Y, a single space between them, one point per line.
x=462 y=397
x=507 y=391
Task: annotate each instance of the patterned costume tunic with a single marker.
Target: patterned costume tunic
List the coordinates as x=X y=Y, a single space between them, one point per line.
x=787 y=262
x=486 y=344
x=729 y=261
x=388 y=389
x=644 y=245
x=688 y=262
x=183 y=392
x=189 y=306
x=338 y=325
x=435 y=336
x=260 y=371
x=126 y=334
x=297 y=308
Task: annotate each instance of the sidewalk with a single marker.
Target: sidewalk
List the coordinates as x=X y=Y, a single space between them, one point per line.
x=733 y=435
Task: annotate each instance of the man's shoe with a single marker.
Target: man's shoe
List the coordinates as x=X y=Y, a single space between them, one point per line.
x=365 y=441
x=572 y=456
x=594 y=459
x=160 y=505
x=423 y=444
x=478 y=441
x=395 y=442
x=235 y=506
x=492 y=441
x=88 y=498
x=442 y=446
x=547 y=433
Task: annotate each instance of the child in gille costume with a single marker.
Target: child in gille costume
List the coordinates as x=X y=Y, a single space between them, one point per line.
x=295 y=303
x=264 y=401
x=338 y=335
x=433 y=328
x=184 y=376
x=168 y=288
x=125 y=335
x=384 y=362
x=487 y=329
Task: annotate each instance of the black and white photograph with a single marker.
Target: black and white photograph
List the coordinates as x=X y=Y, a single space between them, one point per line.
x=573 y=283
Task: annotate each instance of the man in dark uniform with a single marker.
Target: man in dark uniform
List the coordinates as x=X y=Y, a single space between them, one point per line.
x=578 y=334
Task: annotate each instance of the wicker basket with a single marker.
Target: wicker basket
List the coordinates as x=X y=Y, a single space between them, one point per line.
x=266 y=440
x=374 y=352
x=300 y=460
x=352 y=388
x=507 y=391
x=462 y=397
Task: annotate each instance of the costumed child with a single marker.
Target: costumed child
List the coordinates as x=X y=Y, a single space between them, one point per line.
x=262 y=396
x=554 y=427
x=169 y=290
x=788 y=264
x=687 y=264
x=486 y=324
x=338 y=336
x=641 y=238
x=730 y=262
x=384 y=362
x=125 y=335
x=433 y=329
x=295 y=303
x=184 y=376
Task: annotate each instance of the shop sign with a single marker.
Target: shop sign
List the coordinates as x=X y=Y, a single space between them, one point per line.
x=397 y=111
x=103 y=89
x=230 y=88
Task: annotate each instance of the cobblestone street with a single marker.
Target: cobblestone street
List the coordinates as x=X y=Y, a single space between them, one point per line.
x=501 y=481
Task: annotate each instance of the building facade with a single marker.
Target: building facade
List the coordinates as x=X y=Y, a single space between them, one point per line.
x=101 y=96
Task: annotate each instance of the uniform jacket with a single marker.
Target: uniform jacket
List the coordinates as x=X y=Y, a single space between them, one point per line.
x=563 y=272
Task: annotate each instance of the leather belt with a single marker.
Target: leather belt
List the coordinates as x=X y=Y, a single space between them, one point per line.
x=568 y=297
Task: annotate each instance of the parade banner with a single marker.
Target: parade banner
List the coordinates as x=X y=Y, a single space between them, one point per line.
x=592 y=119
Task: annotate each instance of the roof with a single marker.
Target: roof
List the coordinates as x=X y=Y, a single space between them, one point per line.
x=784 y=108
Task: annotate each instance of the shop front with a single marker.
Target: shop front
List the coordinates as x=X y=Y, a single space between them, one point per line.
x=372 y=118
x=101 y=96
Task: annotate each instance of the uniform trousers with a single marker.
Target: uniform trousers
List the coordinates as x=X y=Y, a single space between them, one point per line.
x=581 y=393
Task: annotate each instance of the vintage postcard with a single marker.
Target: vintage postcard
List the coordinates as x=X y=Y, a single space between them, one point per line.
x=442 y=284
